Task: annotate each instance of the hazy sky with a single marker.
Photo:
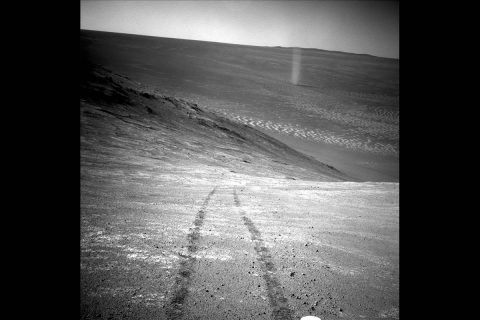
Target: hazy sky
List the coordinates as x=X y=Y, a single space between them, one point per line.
x=352 y=26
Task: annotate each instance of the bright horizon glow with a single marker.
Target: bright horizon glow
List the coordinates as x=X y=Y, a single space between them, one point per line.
x=366 y=27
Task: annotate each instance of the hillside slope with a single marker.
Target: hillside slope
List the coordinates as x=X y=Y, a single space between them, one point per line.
x=119 y=116
x=344 y=109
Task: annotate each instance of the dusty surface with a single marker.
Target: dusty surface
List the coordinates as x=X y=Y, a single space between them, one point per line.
x=185 y=215
x=344 y=110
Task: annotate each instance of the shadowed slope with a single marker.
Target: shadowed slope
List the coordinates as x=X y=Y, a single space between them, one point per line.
x=117 y=113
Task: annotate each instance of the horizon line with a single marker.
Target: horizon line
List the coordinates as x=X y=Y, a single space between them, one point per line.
x=247 y=45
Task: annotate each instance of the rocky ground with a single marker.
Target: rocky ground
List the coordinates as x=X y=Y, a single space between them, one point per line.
x=204 y=243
